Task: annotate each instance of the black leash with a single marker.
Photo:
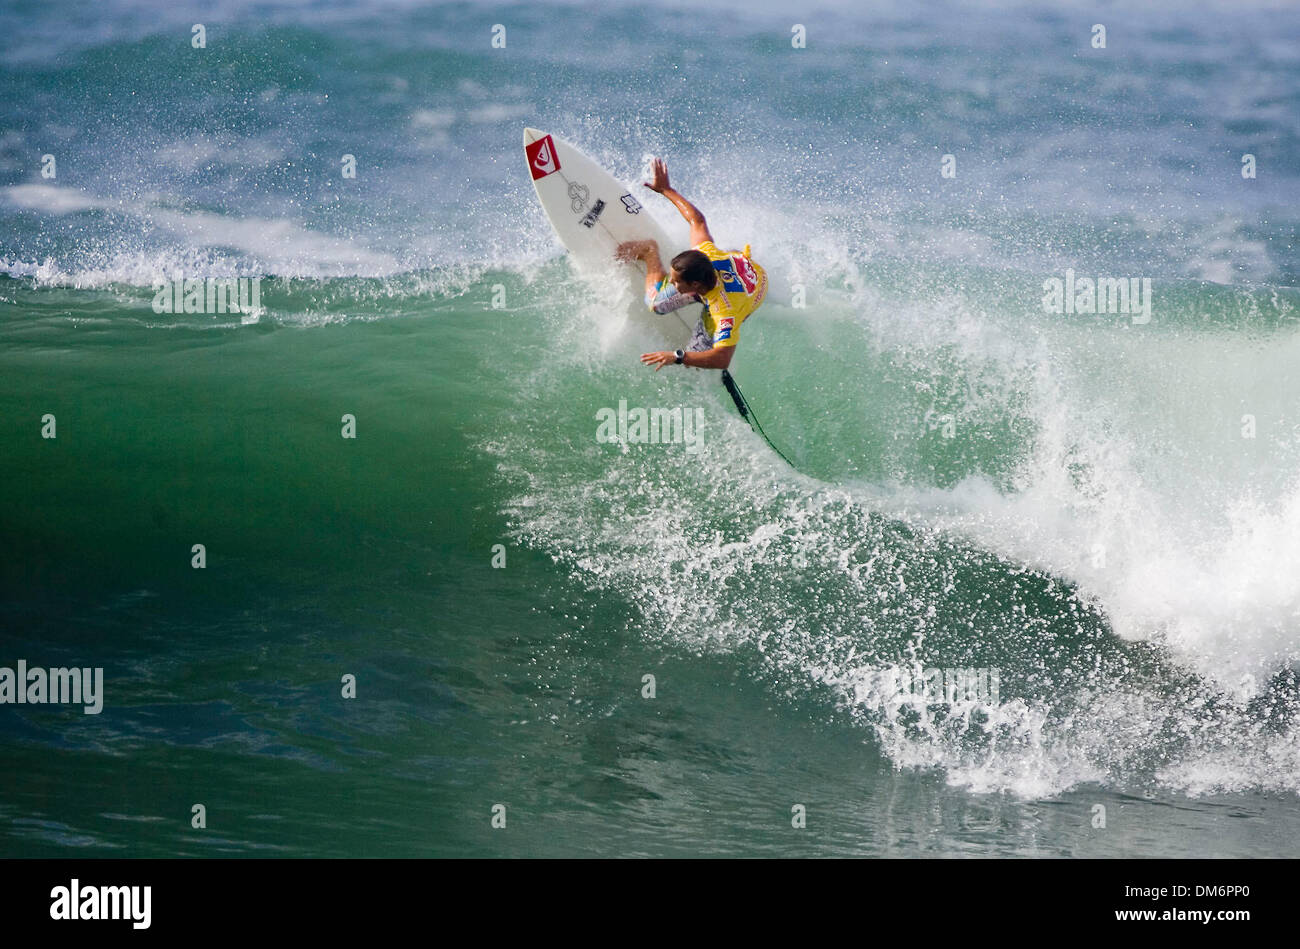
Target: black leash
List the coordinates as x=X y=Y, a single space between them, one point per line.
x=748 y=415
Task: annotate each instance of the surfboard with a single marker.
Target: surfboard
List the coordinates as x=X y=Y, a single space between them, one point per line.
x=593 y=212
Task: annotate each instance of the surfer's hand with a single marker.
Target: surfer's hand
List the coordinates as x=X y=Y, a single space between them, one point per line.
x=659 y=360
x=658 y=176
x=635 y=250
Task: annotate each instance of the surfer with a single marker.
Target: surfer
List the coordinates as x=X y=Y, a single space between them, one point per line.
x=729 y=284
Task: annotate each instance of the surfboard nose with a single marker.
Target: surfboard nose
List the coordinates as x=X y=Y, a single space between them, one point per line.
x=531 y=135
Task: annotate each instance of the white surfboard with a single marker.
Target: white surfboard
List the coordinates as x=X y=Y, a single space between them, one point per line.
x=592 y=213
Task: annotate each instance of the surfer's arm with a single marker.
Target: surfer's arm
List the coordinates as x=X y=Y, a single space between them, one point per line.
x=648 y=252
x=719 y=357
x=699 y=226
x=694 y=217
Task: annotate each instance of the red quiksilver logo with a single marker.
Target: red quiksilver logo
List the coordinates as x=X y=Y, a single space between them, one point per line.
x=746 y=272
x=542 y=159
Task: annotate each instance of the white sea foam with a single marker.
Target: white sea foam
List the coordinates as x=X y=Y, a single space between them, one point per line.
x=1132 y=447
x=274 y=245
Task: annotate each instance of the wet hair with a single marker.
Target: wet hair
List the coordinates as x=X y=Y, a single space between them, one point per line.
x=692 y=265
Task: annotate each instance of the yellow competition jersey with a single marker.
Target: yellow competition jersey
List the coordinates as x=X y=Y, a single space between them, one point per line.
x=740 y=289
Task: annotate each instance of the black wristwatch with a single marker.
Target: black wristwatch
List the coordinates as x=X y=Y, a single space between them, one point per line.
x=680 y=356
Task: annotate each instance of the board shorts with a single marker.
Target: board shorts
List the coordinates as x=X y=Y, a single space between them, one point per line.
x=664 y=298
x=701 y=339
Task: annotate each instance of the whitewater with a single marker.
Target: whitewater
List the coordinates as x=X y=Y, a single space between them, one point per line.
x=1080 y=527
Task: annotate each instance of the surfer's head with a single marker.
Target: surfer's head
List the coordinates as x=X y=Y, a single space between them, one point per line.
x=693 y=273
